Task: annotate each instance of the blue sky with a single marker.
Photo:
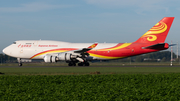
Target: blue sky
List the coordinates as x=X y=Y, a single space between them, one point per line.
x=111 y=21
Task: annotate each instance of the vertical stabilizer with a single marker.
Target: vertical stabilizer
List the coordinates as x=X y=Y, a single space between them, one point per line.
x=158 y=33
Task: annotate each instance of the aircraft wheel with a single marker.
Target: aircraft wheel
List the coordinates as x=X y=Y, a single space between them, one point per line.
x=20 y=64
x=80 y=64
x=74 y=64
x=86 y=63
x=70 y=64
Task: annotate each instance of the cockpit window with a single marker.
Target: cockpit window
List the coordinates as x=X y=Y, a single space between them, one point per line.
x=14 y=42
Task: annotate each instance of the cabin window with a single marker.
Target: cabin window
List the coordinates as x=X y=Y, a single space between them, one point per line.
x=14 y=42
x=28 y=43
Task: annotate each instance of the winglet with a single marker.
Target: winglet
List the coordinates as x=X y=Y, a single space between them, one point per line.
x=93 y=46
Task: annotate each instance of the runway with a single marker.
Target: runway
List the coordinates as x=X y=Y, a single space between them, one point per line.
x=102 y=69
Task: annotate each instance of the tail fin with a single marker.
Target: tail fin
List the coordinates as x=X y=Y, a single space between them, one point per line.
x=158 y=33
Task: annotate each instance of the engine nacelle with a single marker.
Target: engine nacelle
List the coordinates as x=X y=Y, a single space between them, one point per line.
x=50 y=58
x=65 y=56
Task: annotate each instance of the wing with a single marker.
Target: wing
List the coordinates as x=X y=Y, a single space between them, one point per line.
x=86 y=49
x=74 y=55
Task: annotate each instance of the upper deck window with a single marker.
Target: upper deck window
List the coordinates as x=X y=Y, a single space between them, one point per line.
x=28 y=43
x=14 y=42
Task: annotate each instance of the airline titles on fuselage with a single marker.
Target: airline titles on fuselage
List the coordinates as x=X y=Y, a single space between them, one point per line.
x=21 y=46
x=47 y=45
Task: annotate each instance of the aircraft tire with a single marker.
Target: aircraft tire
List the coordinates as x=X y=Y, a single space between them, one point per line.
x=80 y=64
x=70 y=64
x=86 y=63
x=74 y=64
x=20 y=64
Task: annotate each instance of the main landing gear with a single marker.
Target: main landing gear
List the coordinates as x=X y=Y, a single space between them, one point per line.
x=83 y=64
x=72 y=64
x=79 y=64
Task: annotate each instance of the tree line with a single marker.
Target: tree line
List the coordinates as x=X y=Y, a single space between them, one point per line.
x=162 y=56
x=7 y=59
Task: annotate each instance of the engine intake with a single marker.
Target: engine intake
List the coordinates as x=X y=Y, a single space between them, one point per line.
x=50 y=58
x=63 y=57
x=66 y=56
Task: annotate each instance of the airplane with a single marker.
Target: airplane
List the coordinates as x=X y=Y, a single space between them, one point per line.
x=83 y=53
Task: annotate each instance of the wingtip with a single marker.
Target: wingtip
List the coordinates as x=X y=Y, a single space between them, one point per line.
x=93 y=46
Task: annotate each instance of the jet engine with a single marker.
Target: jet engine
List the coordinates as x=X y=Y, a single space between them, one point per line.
x=70 y=57
x=63 y=57
x=50 y=58
x=66 y=56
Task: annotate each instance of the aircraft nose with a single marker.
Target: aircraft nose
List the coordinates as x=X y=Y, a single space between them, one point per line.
x=5 y=50
x=10 y=51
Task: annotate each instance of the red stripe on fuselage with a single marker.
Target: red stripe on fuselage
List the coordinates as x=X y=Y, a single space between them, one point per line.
x=53 y=51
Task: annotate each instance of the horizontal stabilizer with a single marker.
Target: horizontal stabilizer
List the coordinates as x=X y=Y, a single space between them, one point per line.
x=172 y=45
x=158 y=46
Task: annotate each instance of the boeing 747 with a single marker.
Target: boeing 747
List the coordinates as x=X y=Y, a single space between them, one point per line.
x=81 y=53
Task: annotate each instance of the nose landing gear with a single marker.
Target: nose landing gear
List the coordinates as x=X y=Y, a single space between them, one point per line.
x=19 y=61
x=20 y=64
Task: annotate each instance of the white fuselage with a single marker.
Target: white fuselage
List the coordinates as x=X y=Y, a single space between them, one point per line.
x=28 y=48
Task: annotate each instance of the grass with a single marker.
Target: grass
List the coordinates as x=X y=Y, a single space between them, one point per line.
x=106 y=68
x=96 y=64
x=116 y=82
x=119 y=87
